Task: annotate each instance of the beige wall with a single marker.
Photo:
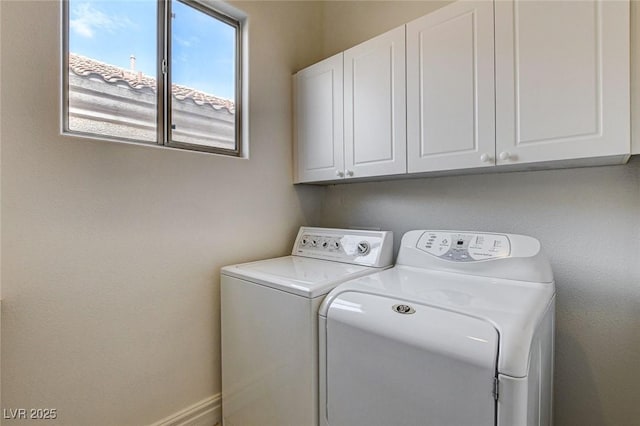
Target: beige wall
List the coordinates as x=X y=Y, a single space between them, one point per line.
x=588 y=221
x=111 y=252
x=347 y=23
x=635 y=76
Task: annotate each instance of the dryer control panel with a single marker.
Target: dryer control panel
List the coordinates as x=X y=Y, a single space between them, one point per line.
x=486 y=254
x=465 y=247
x=362 y=247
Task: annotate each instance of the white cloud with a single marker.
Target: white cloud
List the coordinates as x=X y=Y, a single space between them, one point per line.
x=191 y=41
x=87 y=20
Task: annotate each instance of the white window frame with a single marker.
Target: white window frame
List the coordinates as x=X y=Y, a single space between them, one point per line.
x=216 y=9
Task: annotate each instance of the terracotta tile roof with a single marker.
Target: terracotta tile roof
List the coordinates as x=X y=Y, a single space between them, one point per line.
x=88 y=67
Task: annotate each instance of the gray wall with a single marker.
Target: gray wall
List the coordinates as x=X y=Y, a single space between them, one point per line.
x=588 y=221
x=111 y=252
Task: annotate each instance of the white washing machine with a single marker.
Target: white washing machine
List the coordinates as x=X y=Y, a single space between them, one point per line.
x=459 y=333
x=270 y=323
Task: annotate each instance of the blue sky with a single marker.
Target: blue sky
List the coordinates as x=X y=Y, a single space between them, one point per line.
x=113 y=30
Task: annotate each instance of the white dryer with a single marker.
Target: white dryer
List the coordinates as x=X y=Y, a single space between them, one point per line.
x=270 y=325
x=459 y=333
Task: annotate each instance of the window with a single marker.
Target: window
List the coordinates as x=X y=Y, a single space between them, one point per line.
x=164 y=72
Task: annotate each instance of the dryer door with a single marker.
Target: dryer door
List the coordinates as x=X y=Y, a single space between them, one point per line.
x=407 y=365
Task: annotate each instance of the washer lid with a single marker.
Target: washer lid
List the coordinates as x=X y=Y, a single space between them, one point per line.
x=514 y=307
x=298 y=275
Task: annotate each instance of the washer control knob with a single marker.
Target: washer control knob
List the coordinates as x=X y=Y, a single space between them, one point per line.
x=485 y=158
x=505 y=155
x=339 y=173
x=335 y=245
x=363 y=247
x=304 y=241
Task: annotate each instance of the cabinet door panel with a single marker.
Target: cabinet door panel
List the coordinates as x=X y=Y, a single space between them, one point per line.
x=375 y=106
x=562 y=79
x=319 y=121
x=450 y=88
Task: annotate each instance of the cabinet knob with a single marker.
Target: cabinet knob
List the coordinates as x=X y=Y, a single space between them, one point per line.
x=339 y=173
x=505 y=155
x=485 y=158
x=349 y=172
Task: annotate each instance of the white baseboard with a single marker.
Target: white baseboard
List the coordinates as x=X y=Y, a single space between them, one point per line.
x=207 y=412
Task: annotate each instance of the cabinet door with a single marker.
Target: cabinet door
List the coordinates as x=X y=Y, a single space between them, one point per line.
x=450 y=88
x=319 y=153
x=375 y=106
x=562 y=80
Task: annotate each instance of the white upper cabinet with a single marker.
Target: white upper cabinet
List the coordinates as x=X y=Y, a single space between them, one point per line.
x=473 y=85
x=375 y=106
x=450 y=88
x=562 y=80
x=319 y=151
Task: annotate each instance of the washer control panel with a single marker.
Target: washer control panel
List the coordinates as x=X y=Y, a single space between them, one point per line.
x=372 y=248
x=465 y=247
